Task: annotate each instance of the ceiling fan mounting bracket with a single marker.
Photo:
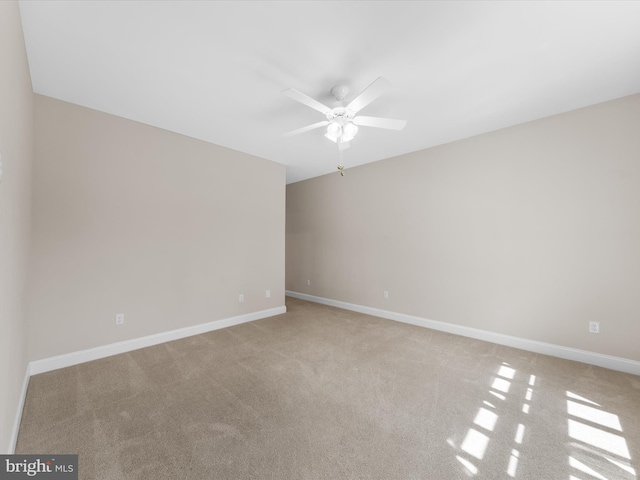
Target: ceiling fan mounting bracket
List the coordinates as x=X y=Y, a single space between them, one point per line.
x=340 y=91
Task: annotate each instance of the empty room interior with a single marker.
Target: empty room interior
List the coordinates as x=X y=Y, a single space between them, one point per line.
x=321 y=239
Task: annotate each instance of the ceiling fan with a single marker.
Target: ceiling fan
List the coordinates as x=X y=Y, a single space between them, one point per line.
x=342 y=121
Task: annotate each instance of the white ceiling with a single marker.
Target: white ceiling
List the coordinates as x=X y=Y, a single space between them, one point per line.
x=215 y=70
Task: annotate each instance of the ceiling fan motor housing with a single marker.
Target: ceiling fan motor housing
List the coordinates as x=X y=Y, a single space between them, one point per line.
x=340 y=115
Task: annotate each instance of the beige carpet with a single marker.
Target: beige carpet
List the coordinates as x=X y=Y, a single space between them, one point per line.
x=323 y=393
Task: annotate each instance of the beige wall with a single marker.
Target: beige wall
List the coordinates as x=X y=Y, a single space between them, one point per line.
x=16 y=148
x=530 y=231
x=133 y=219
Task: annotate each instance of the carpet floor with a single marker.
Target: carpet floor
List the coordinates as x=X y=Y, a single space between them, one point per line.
x=324 y=393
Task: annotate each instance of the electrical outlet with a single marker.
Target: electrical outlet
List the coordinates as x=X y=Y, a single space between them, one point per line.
x=308 y=283
x=594 y=327
x=385 y=295
x=241 y=298
x=119 y=318
x=267 y=293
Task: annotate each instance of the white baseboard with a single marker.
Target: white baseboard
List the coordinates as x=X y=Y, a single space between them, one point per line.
x=16 y=423
x=584 y=356
x=75 y=358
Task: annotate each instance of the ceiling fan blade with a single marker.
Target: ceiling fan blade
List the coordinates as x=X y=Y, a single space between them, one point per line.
x=306 y=100
x=313 y=126
x=369 y=94
x=389 y=123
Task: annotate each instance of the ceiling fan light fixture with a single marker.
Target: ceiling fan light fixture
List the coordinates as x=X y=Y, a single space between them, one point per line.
x=334 y=131
x=343 y=133
x=349 y=132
